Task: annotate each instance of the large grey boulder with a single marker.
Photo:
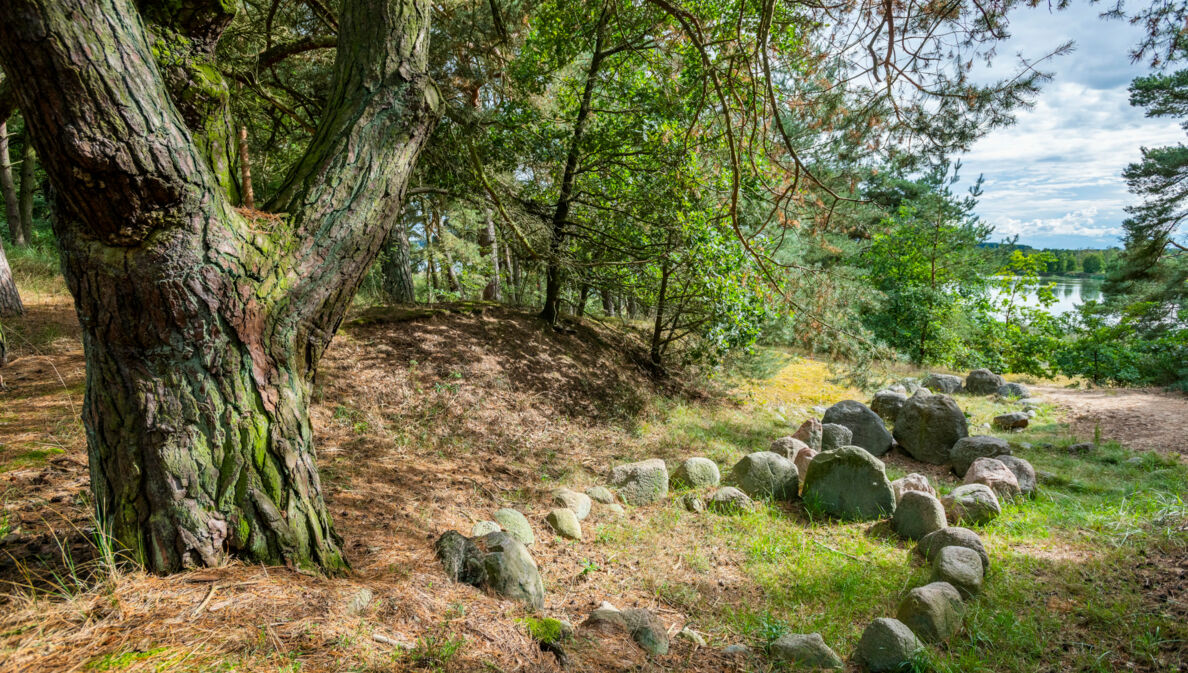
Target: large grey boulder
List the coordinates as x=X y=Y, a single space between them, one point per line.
x=1014 y=420
x=764 y=474
x=730 y=500
x=969 y=449
x=961 y=567
x=805 y=651
x=1023 y=471
x=971 y=503
x=887 y=645
x=578 y=502
x=983 y=382
x=849 y=483
x=641 y=483
x=809 y=432
x=928 y=426
x=930 y=545
x=834 y=436
x=1016 y=390
x=912 y=482
x=787 y=446
x=887 y=403
x=869 y=431
x=918 y=514
x=696 y=472
x=516 y=525
x=994 y=473
x=565 y=523
x=943 y=383
x=496 y=561
x=933 y=612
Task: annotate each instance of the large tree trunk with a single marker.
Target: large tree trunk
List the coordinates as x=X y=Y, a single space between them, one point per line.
x=396 y=265
x=28 y=186
x=489 y=247
x=202 y=330
x=10 y=299
x=8 y=190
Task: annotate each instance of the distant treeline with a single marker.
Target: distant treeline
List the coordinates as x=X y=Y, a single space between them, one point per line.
x=1066 y=262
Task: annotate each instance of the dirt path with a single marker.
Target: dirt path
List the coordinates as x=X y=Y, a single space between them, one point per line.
x=1147 y=419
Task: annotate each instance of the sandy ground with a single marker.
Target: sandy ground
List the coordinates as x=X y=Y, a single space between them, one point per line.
x=1141 y=419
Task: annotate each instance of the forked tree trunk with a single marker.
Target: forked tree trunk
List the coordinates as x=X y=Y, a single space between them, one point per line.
x=202 y=330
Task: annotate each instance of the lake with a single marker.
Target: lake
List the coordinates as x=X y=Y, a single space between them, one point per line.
x=1070 y=292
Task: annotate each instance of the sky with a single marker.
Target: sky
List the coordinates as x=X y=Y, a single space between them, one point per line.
x=1054 y=178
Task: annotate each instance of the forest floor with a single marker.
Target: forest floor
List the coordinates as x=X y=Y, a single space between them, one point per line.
x=1149 y=419
x=431 y=420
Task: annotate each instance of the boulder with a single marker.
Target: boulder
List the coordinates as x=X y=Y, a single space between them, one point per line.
x=961 y=567
x=809 y=432
x=849 y=483
x=601 y=494
x=578 y=502
x=933 y=612
x=912 y=482
x=802 y=460
x=641 y=483
x=887 y=645
x=1023 y=471
x=496 y=561
x=869 y=431
x=969 y=449
x=565 y=523
x=1014 y=420
x=484 y=527
x=983 y=382
x=1016 y=390
x=918 y=514
x=730 y=500
x=787 y=446
x=805 y=651
x=928 y=426
x=692 y=503
x=930 y=545
x=644 y=627
x=943 y=383
x=764 y=474
x=971 y=503
x=995 y=474
x=887 y=403
x=516 y=525
x=615 y=508
x=834 y=436
x=696 y=472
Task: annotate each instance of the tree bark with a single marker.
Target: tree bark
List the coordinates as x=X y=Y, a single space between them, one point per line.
x=28 y=186
x=396 y=265
x=10 y=299
x=608 y=302
x=489 y=247
x=12 y=206
x=201 y=329
x=245 y=171
x=583 y=297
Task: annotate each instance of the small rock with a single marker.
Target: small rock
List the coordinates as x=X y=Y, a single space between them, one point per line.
x=692 y=503
x=692 y=636
x=961 y=567
x=764 y=474
x=730 y=500
x=647 y=630
x=807 y=650
x=1011 y=421
x=802 y=460
x=933 y=612
x=809 y=432
x=601 y=494
x=849 y=483
x=483 y=527
x=930 y=545
x=516 y=525
x=912 y=482
x=983 y=382
x=887 y=645
x=969 y=449
x=834 y=436
x=615 y=508
x=696 y=472
x=943 y=383
x=995 y=474
x=787 y=446
x=1031 y=413
x=1013 y=390
x=359 y=601
x=1082 y=448
x=736 y=649
x=971 y=503
x=578 y=502
x=917 y=515
x=928 y=426
x=564 y=521
x=1133 y=460
x=641 y=483
x=869 y=430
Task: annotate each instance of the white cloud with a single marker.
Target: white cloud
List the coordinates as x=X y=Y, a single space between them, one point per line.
x=1076 y=223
